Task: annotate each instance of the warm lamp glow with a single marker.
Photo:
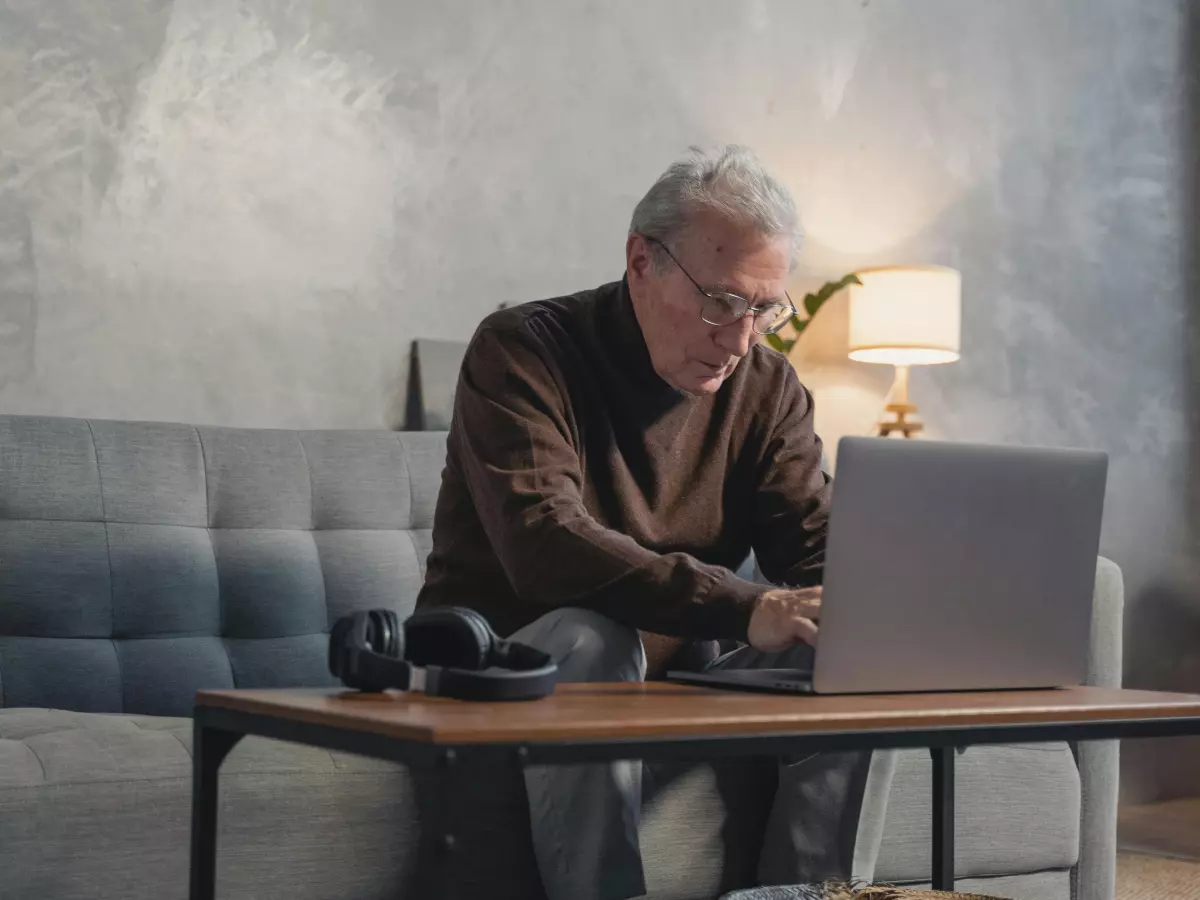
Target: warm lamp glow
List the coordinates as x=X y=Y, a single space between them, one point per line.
x=905 y=315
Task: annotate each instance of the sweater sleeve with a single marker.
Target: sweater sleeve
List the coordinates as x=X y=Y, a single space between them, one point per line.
x=524 y=476
x=791 y=507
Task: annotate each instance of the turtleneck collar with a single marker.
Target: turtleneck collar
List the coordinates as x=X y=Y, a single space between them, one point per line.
x=630 y=343
x=633 y=353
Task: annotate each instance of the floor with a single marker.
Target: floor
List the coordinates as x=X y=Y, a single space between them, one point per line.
x=1160 y=851
x=1141 y=877
x=1170 y=829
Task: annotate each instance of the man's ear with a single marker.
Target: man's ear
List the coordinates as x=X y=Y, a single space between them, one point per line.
x=638 y=261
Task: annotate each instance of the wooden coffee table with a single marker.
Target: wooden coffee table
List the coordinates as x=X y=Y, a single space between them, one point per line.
x=656 y=720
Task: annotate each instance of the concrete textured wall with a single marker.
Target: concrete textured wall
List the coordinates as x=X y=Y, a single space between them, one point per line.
x=243 y=212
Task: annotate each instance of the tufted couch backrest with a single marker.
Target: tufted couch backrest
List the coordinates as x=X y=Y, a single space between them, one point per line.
x=141 y=561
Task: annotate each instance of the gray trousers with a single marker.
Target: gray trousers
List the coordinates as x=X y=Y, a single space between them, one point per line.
x=585 y=817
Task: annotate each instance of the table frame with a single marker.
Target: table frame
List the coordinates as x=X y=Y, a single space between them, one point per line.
x=217 y=730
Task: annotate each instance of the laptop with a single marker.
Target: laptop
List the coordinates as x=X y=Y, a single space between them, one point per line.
x=950 y=567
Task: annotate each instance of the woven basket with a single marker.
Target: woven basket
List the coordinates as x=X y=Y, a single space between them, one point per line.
x=848 y=892
x=886 y=893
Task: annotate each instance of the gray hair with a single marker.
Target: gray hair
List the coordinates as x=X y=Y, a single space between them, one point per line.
x=730 y=181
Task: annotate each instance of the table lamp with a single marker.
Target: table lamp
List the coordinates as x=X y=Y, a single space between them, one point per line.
x=904 y=316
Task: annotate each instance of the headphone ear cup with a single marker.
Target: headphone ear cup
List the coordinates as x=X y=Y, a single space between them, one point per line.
x=485 y=638
x=352 y=651
x=365 y=651
x=382 y=632
x=388 y=636
x=339 y=643
x=445 y=636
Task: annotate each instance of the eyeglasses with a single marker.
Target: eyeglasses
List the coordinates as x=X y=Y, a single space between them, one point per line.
x=721 y=308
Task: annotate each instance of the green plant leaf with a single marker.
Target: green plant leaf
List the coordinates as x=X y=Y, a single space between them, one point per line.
x=778 y=343
x=813 y=302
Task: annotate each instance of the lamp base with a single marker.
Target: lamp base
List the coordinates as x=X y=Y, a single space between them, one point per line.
x=903 y=419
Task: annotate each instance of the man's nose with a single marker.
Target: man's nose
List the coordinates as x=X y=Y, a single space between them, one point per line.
x=737 y=337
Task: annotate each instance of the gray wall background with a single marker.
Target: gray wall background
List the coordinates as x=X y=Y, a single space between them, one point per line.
x=243 y=212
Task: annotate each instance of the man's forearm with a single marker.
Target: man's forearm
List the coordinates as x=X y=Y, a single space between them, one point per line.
x=569 y=559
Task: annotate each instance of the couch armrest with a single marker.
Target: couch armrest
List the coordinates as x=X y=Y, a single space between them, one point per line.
x=1094 y=878
x=1108 y=615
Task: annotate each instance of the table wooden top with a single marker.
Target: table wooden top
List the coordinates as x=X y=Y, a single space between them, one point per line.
x=668 y=711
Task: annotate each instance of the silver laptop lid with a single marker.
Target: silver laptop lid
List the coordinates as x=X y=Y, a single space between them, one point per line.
x=955 y=566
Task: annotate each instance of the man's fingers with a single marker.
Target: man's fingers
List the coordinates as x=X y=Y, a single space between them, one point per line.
x=809 y=607
x=784 y=618
x=804 y=629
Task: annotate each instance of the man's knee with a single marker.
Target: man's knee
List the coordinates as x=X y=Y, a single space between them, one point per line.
x=587 y=645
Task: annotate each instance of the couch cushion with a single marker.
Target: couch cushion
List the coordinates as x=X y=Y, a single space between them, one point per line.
x=146 y=560
x=49 y=469
x=54 y=579
x=1017 y=811
x=98 y=806
x=152 y=472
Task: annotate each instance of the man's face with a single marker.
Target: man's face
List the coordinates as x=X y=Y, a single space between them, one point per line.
x=687 y=352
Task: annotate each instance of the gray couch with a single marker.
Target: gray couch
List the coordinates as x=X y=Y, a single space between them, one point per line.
x=141 y=561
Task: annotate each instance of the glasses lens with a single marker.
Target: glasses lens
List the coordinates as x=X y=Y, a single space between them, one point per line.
x=722 y=309
x=771 y=319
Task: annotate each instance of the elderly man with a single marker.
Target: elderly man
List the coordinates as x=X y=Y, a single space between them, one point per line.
x=614 y=455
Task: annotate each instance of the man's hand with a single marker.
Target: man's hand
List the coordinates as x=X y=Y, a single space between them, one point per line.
x=785 y=617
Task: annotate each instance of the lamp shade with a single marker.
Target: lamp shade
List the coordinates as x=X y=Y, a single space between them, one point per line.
x=905 y=315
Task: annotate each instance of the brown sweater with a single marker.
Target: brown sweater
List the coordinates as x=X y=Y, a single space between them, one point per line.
x=576 y=476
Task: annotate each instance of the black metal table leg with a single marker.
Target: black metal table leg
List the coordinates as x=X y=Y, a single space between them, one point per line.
x=440 y=867
x=209 y=748
x=943 y=818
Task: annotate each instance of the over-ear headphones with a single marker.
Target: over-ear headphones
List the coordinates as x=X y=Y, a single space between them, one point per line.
x=447 y=651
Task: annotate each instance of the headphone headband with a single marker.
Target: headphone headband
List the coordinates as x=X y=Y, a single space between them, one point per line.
x=375 y=668
x=512 y=655
x=528 y=684
x=454 y=648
